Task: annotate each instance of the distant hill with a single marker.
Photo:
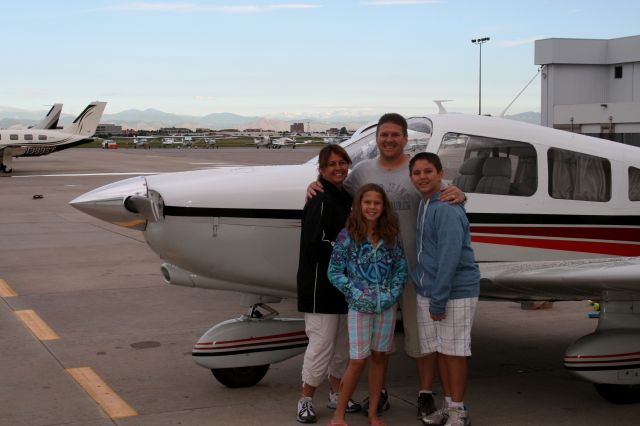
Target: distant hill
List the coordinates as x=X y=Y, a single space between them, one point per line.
x=528 y=117
x=152 y=119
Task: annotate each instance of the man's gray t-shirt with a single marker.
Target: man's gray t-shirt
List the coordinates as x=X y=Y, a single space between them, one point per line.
x=403 y=196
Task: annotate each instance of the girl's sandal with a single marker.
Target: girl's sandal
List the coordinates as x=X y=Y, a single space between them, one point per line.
x=337 y=423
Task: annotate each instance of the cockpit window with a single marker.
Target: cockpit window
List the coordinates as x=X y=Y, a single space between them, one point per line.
x=419 y=132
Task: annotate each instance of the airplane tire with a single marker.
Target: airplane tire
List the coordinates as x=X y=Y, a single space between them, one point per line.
x=240 y=377
x=619 y=394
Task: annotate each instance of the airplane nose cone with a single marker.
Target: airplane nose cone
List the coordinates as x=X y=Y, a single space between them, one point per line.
x=109 y=202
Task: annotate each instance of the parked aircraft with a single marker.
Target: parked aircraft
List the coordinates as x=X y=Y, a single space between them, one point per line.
x=334 y=139
x=211 y=143
x=554 y=216
x=50 y=121
x=263 y=141
x=282 y=142
x=36 y=142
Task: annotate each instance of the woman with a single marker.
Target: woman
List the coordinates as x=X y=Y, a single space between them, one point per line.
x=323 y=305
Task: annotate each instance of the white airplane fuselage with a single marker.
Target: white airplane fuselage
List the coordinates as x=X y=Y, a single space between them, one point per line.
x=226 y=229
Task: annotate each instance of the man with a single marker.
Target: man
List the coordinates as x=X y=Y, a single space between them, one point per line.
x=390 y=170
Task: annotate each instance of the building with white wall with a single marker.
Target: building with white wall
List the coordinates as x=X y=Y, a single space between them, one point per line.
x=591 y=86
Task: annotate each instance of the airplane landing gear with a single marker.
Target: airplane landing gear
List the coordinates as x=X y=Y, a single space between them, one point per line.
x=619 y=394
x=239 y=351
x=240 y=377
x=608 y=357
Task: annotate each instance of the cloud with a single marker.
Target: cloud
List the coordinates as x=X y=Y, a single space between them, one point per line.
x=196 y=8
x=520 y=42
x=398 y=2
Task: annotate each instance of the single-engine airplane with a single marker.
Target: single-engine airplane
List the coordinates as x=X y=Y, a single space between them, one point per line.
x=36 y=141
x=554 y=216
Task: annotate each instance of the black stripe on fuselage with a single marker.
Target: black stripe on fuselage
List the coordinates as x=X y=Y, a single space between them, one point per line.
x=605 y=368
x=248 y=351
x=474 y=218
x=551 y=219
x=243 y=213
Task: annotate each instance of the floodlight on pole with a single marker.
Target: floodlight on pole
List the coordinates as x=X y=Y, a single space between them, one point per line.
x=480 y=42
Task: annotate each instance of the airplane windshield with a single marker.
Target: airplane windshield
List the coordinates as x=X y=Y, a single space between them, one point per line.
x=363 y=148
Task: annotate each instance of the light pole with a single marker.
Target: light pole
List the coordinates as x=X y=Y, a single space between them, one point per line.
x=480 y=42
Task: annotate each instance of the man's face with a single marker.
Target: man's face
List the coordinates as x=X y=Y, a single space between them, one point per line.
x=391 y=141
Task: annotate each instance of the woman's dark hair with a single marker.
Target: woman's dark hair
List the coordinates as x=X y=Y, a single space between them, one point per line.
x=325 y=153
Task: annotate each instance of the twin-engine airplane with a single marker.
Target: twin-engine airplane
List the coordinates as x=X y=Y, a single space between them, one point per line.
x=44 y=138
x=50 y=121
x=554 y=216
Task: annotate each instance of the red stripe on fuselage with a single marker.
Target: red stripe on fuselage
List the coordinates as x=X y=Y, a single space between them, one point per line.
x=601 y=356
x=612 y=249
x=251 y=339
x=584 y=232
x=198 y=347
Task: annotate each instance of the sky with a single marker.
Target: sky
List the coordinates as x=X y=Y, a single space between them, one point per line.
x=281 y=58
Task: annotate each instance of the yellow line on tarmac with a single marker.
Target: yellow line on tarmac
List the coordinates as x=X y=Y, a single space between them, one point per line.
x=109 y=401
x=6 y=290
x=37 y=326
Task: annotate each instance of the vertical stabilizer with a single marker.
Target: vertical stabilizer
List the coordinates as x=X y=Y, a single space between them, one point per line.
x=50 y=121
x=86 y=123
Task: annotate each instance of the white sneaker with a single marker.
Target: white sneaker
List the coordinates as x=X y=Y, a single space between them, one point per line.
x=457 y=417
x=306 y=413
x=352 y=406
x=437 y=418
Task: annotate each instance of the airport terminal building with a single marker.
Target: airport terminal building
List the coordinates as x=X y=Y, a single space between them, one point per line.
x=591 y=86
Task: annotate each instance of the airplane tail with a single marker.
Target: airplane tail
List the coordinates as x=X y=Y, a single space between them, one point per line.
x=86 y=123
x=50 y=121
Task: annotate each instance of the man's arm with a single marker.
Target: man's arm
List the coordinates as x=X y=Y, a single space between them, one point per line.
x=452 y=194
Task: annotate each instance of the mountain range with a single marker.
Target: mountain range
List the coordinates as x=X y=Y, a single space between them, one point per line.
x=152 y=119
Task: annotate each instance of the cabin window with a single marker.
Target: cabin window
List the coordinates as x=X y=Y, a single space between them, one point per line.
x=28 y=137
x=42 y=137
x=577 y=176
x=13 y=137
x=617 y=71
x=634 y=184
x=477 y=164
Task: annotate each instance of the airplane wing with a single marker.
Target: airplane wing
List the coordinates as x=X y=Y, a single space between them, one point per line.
x=559 y=280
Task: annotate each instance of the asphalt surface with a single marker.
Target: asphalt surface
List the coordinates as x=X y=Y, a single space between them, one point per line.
x=98 y=288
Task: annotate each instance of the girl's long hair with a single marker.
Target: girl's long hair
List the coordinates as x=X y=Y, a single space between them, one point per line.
x=387 y=227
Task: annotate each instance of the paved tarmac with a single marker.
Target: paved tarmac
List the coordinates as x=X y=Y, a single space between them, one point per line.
x=99 y=290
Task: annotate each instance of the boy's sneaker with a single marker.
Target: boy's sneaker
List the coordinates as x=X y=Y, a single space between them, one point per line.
x=352 y=406
x=437 y=418
x=383 y=403
x=457 y=417
x=306 y=413
x=426 y=404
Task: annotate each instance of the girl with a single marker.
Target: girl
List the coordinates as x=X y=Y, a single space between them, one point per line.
x=368 y=266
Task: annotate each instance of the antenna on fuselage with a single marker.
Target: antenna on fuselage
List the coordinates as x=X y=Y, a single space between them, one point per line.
x=441 y=108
